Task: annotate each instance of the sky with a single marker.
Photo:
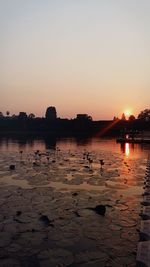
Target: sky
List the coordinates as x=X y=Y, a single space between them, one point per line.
x=81 y=56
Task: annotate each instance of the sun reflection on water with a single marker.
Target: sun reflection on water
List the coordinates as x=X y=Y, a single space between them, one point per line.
x=127 y=149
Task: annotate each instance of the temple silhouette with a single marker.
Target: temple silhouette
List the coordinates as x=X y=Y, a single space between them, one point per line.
x=82 y=124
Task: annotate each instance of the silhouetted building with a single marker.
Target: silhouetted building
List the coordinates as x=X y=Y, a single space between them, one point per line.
x=123 y=117
x=51 y=114
x=83 y=117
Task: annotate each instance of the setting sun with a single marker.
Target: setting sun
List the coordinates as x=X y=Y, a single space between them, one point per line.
x=127 y=113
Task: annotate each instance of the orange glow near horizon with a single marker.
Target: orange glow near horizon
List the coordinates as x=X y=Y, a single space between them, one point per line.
x=87 y=57
x=127 y=113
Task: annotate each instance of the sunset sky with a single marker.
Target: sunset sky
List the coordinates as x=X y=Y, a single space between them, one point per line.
x=81 y=56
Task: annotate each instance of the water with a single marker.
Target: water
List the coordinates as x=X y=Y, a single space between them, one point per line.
x=124 y=163
x=62 y=185
x=94 y=144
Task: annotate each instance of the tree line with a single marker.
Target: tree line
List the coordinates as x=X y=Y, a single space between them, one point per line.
x=51 y=113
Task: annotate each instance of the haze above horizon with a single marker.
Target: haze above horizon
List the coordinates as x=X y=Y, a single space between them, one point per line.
x=80 y=56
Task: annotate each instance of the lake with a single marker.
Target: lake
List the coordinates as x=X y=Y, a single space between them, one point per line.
x=97 y=144
x=48 y=202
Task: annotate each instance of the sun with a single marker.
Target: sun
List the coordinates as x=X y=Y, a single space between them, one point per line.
x=127 y=113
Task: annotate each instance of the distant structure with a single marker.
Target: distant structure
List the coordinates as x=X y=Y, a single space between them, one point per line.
x=123 y=117
x=51 y=114
x=22 y=115
x=84 y=117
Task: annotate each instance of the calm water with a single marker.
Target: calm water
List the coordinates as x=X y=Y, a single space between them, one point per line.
x=90 y=144
x=63 y=187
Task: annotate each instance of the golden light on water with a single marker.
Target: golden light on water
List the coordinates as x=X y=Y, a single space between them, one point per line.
x=127 y=149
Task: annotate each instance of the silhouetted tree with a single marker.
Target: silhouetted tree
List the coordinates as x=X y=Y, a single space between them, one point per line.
x=7 y=113
x=131 y=118
x=31 y=116
x=144 y=115
x=51 y=114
